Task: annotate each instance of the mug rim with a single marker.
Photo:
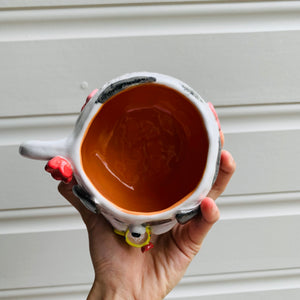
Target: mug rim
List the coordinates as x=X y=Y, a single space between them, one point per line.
x=188 y=202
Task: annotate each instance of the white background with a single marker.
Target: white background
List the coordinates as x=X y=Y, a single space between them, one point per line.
x=243 y=56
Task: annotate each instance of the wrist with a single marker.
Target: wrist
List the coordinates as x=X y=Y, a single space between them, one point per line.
x=102 y=292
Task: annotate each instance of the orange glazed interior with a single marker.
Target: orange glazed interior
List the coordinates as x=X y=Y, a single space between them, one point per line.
x=146 y=148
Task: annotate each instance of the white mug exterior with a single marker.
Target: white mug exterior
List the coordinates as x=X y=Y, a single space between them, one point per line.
x=69 y=149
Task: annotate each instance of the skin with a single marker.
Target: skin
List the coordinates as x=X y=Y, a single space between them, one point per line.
x=124 y=272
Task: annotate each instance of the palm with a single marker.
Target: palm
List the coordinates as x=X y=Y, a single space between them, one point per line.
x=153 y=274
x=164 y=265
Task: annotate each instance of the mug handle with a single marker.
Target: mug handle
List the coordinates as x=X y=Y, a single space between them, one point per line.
x=43 y=150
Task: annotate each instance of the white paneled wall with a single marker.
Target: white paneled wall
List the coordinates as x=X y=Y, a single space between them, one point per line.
x=243 y=56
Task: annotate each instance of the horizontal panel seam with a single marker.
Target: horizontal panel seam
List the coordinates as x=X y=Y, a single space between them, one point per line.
x=64 y=218
x=214 y=284
x=227 y=17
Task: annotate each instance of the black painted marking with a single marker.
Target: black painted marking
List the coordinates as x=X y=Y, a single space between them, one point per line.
x=85 y=198
x=183 y=218
x=120 y=85
x=193 y=93
x=135 y=234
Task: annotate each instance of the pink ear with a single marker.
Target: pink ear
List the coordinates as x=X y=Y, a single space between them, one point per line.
x=60 y=169
x=215 y=114
x=89 y=98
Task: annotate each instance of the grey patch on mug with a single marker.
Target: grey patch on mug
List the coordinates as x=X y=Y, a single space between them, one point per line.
x=121 y=85
x=184 y=217
x=85 y=198
x=218 y=162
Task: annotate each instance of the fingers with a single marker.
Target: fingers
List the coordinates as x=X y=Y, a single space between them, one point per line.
x=201 y=225
x=222 y=138
x=189 y=238
x=212 y=108
x=227 y=168
x=66 y=191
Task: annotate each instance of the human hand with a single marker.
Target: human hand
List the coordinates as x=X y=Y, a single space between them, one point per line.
x=124 y=272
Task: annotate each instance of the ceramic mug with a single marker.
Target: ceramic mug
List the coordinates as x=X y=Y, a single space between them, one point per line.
x=144 y=151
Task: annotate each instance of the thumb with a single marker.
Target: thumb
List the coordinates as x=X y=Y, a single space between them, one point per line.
x=193 y=233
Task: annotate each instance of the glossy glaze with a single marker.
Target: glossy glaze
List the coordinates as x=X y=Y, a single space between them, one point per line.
x=146 y=148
